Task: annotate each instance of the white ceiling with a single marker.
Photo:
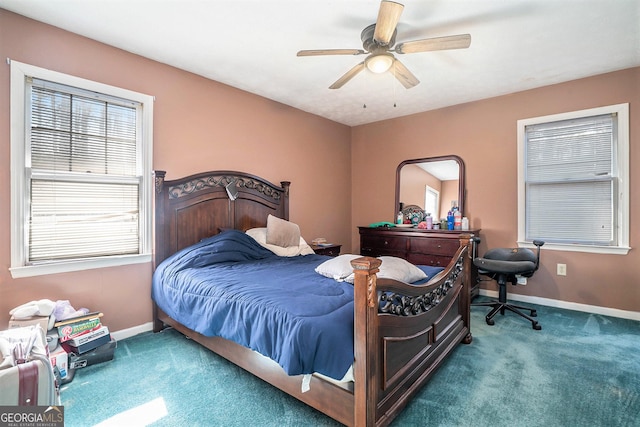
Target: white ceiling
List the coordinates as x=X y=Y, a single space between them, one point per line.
x=444 y=170
x=252 y=44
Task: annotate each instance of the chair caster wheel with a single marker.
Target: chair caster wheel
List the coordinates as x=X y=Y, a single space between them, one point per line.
x=537 y=326
x=490 y=322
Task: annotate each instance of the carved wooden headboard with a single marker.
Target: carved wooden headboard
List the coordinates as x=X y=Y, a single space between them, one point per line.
x=197 y=206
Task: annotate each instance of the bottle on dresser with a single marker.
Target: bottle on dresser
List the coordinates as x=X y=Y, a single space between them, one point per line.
x=457 y=219
x=465 y=223
x=450 y=220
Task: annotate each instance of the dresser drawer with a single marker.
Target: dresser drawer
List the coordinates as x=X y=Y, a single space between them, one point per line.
x=332 y=250
x=376 y=252
x=430 y=260
x=383 y=243
x=435 y=246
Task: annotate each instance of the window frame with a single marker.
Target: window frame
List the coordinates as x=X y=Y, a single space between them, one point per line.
x=621 y=161
x=436 y=193
x=19 y=184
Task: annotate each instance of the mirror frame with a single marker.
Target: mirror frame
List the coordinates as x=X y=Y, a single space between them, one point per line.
x=461 y=183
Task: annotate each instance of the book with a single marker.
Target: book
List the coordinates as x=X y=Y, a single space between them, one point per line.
x=71 y=330
x=84 y=338
x=77 y=319
x=98 y=337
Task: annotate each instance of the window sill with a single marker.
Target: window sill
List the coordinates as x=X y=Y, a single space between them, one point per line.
x=65 y=267
x=609 y=250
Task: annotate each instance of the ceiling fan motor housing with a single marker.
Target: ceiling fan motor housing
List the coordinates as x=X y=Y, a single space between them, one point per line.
x=370 y=45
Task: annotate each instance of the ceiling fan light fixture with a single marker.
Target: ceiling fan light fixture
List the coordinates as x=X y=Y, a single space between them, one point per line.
x=379 y=63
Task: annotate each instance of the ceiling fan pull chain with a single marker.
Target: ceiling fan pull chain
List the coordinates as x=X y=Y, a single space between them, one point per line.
x=393 y=84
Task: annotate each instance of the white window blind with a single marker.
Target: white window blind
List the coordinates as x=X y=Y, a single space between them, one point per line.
x=84 y=174
x=571 y=182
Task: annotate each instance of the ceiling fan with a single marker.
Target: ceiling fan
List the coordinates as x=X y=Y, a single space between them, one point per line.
x=378 y=41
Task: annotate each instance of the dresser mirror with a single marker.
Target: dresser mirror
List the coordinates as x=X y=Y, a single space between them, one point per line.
x=433 y=184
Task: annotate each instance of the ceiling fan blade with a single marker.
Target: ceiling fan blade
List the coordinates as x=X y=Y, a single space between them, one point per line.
x=319 y=52
x=403 y=75
x=460 y=41
x=388 y=17
x=347 y=76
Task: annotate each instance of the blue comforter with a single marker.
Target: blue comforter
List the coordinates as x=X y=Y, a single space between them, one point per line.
x=230 y=286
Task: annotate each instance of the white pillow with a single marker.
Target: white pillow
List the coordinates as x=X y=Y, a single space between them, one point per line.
x=260 y=236
x=340 y=269
x=400 y=269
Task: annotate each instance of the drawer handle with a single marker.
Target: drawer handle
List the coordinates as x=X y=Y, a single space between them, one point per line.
x=386 y=242
x=439 y=246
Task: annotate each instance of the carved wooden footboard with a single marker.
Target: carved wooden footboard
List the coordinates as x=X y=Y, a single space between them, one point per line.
x=402 y=332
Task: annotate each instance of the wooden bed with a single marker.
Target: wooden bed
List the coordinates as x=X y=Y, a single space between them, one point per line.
x=395 y=354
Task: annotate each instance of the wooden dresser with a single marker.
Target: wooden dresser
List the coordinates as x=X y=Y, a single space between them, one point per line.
x=424 y=247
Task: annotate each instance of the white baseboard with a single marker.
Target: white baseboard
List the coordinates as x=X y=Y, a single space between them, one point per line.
x=129 y=332
x=605 y=311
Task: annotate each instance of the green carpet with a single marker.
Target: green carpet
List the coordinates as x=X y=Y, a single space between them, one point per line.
x=580 y=370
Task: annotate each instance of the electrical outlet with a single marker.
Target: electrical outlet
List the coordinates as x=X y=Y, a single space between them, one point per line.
x=521 y=280
x=561 y=270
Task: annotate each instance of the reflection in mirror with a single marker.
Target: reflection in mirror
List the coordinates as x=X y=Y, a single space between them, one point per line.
x=435 y=184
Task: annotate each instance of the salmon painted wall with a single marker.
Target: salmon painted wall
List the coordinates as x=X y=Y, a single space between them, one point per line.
x=414 y=179
x=483 y=133
x=199 y=125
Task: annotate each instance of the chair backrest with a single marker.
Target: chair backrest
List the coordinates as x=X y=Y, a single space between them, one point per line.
x=510 y=261
x=511 y=254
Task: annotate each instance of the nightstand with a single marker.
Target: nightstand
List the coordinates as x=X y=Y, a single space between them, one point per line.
x=331 y=250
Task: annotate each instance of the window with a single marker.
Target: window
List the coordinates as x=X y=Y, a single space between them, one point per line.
x=81 y=173
x=574 y=180
x=432 y=201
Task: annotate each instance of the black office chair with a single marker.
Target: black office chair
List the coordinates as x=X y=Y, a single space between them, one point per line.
x=504 y=265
